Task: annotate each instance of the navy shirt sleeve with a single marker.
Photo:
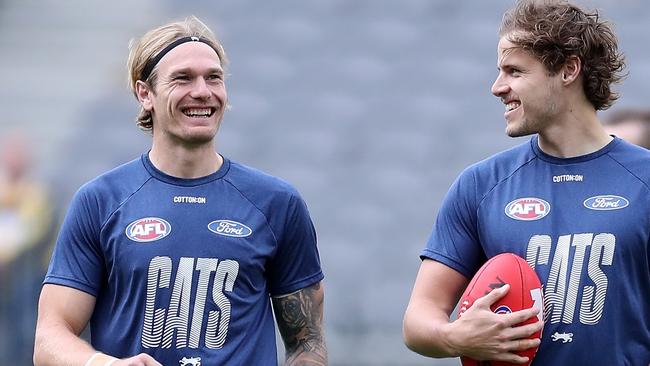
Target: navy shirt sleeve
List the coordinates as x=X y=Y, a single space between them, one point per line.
x=77 y=260
x=454 y=240
x=296 y=263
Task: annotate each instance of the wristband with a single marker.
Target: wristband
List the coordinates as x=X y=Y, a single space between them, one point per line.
x=100 y=359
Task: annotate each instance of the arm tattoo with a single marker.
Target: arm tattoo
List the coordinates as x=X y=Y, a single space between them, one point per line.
x=300 y=319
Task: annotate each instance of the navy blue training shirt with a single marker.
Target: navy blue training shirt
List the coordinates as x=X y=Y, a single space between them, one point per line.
x=183 y=269
x=582 y=223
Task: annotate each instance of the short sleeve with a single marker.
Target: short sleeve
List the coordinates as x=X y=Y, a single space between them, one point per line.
x=454 y=240
x=296 y=263
x=77 y=259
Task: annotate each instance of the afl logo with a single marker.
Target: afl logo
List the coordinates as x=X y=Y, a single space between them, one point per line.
x=230 y=228
x=528 y=209
x=606 y=202
x=148 y=229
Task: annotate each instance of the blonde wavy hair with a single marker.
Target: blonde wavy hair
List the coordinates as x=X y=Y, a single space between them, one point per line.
x=148 y=46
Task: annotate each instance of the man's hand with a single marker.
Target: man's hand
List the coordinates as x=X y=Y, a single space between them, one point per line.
x=142 y=359
x=483 y=335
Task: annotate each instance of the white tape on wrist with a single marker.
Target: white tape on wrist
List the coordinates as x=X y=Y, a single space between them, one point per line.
x=92 y=358
x=100 y=359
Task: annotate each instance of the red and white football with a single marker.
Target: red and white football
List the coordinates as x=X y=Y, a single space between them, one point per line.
x=525 y=291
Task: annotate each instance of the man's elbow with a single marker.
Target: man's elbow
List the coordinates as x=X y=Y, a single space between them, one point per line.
x=419 y=339
x=410 y=335
x=409 y=342
x=38 y=357
x=420 y=345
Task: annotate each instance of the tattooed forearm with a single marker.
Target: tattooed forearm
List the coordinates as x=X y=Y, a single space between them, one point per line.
x=300 y=321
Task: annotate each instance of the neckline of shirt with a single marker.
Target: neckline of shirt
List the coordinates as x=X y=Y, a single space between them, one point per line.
x=187 y=182
x=534 y=144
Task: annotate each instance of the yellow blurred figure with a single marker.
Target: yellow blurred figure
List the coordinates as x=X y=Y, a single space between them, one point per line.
x=24 y=209
x=26 y=219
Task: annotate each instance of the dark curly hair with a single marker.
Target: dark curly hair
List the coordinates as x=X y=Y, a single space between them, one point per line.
x=553 y=31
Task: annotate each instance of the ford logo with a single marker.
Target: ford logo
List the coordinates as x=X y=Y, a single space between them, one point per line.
x=606 y=202
x=230 y=228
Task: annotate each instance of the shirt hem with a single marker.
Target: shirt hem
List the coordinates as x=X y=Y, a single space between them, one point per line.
x=298 y=285
x=67 y=282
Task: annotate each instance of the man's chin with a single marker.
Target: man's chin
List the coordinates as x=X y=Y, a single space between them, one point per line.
x=197 y=137
x=200 y=139
x=512 y=131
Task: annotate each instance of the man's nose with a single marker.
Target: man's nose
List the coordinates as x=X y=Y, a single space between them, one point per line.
x=499 y=87
x=200 y=89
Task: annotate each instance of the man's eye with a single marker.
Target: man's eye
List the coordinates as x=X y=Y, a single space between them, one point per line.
x=181 y=77
x=214 y=77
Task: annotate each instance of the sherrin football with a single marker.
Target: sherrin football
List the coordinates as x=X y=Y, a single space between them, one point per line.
x=525 y=291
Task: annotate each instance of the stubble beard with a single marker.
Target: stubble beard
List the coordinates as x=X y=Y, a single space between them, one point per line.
x=191 y=138
x=202 y=137
x=528 y=126
x=524 y=127
x=198 y=138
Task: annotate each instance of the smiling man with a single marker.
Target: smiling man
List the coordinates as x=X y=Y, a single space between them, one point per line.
x=573 y=201
x=176 y=257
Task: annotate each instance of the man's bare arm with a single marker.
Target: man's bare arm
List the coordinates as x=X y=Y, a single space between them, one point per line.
x=479 y=333
x=63 y=313
x=300 y=320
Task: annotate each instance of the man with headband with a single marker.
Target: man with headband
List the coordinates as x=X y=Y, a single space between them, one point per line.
x=176 y=257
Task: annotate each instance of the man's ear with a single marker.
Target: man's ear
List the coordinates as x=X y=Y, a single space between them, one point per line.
x=571 y=69
x=144 y=94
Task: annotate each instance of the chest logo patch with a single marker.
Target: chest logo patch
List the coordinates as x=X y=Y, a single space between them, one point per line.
x=192 y=361
x=230 y=228
x=148 y=229
x=606 y=202
x=528 y=209
x=564 y=337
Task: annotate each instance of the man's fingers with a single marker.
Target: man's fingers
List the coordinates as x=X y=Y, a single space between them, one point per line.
x=493 y=296
x=524 y=331
x=520 y=316
x=522 y=344
x=511 y=357
x=149 y=361
x=141 y=359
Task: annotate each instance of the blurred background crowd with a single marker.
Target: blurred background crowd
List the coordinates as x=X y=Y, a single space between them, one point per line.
x=369 y=107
